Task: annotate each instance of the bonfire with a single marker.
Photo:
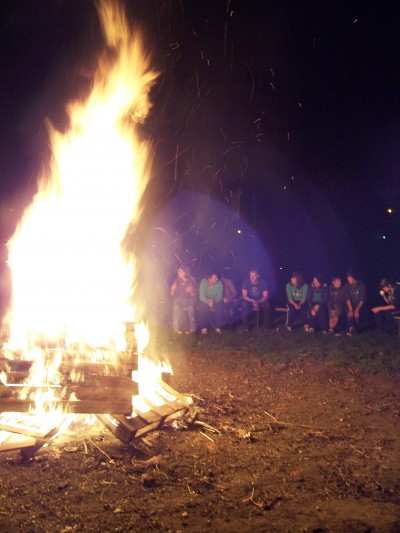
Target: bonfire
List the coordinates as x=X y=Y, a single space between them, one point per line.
x=76 y=341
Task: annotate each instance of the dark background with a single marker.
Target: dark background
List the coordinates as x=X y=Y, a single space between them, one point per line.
x=276 y=118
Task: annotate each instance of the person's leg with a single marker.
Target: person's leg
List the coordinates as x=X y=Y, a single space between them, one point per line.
x=313 y=321
x=176 y=314
x=362 y=321
x=219 y=315
x=204 y=318
x=191 y=311
x=291 y=315
x=333 y=319
x=351 y=323
x=245 y=313
x=323 y=317
x=303 y=314
x=389 y=322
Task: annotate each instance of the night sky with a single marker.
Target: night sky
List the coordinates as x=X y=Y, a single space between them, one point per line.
x=280 y=119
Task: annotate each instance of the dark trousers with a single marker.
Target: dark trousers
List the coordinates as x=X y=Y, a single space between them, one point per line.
x=299 y=315
x=359 y=324
x=384 y=320
x=248 y=313
x=320 y=319
x=231 y=313
x=211 y=315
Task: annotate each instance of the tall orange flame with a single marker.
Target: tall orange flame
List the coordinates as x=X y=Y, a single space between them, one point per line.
x=70 y=277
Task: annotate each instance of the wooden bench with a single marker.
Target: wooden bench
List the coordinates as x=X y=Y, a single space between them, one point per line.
x=284 y=310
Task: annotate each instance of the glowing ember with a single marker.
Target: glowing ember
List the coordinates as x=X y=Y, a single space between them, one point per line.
x=72 y=282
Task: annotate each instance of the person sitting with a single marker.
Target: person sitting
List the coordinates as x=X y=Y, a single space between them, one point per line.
x=336 y=302
x=183 y=292
x=255 y=299
x=230 y=299
x=317 y=297
x=383 y=314
x=296 y=291
x=211 y=306
x=356 y=310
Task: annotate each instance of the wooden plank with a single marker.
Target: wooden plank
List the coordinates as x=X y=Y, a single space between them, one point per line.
x=180 y=398
x=122 y=367
x=28 y=445
x=83 y=380
x=147 y=429
x=163 y=410
x=119 y=430
x=29 y=424
x=126 y=429
x=148 y=415
x=29 y=452
x=78 y=407
x=81 y=392
x=12 y=364
x=132 y=422
x=17 y=443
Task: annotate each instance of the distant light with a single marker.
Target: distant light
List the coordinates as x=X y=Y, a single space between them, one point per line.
x=239 y=231
x=383 y=237
x=280 y=268
x=390 y=210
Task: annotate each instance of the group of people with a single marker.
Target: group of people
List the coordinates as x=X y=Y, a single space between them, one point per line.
x=335 y=307
x=332 y=308
x=216 y=303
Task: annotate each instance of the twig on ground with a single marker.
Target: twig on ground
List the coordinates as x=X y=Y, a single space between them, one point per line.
x=251 y=500
x=103 y=452
x=206 y=436
x=206 y=426
x=289 y=424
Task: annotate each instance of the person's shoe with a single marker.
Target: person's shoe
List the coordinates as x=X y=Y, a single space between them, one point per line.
x=331 y=331
x=190 y=332
x=324 y=332
x=309 y=330
x=204 y=331
x=288 y=328
x=306 y=328
x=351 y=331
x=178 y=331
x=217 y=330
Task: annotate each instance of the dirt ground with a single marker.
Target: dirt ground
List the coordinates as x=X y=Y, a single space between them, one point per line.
x=304 y=446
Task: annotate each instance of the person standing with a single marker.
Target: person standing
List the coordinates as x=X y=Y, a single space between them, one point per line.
x=211 y=306
x=255 y=298
x=296 y=292
x=183 y=293
x=356 y=310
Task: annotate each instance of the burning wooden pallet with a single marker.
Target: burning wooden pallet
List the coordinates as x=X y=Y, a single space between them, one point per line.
x=102 y=389
x=76 y=387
